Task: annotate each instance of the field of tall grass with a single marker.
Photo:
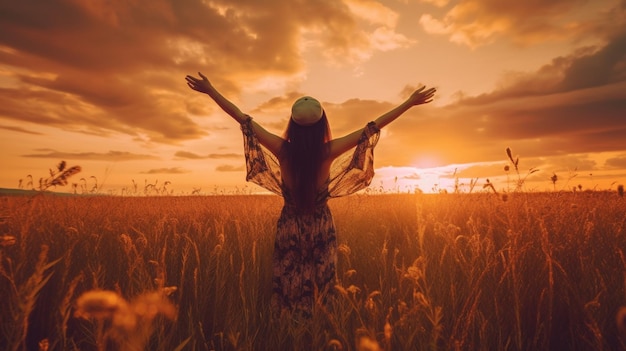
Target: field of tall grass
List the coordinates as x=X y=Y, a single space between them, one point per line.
x=416 y=272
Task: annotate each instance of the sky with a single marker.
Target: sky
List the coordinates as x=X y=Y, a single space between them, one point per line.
x=100 y=84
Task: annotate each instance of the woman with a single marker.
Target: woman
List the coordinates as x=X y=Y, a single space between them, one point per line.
x=306 y=167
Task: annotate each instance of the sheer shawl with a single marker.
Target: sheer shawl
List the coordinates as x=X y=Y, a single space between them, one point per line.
x=349 y=173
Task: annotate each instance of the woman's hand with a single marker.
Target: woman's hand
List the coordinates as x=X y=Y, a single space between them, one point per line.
x=202 y=85
x=421 y=96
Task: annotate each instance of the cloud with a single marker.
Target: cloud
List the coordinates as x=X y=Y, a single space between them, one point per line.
x=109 y=156
x=193 y=156
x=230 y=168
x=414 y=176
x=574 y=104
x=618 y=162
x=438 y=3
x=559 y=109
x=99 y=66
x=171 y=170
x=19 y=129
x=384 y=21
x=482 y=170
x=386 y=39
x=572 y=163
x=587 y=67
x=480 y=22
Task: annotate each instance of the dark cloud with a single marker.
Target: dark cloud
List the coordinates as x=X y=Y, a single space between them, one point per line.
x=583 y=69
x=20 y=129
x=193 y=156
x=606 y=66
x=559 y=109
x=618 y=162
x=230 y=168
x=109 y=156
x=171 y=170
x=100 y=66
x=188 y=155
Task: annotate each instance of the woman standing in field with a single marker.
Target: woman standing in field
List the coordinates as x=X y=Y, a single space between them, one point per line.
x=306 y=167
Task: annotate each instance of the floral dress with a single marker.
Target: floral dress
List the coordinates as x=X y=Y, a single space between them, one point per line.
x=305 y=248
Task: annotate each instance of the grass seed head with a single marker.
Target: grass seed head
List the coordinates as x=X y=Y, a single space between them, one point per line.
x=334 y=344
x=621 y=320
x=366 y=343
x=7 y=240
x=344 y=249
x=388 y=331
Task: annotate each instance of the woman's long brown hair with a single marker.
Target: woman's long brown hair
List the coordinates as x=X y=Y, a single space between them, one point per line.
x=305 y=150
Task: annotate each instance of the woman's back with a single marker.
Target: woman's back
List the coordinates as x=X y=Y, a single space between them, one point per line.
x=288 y=176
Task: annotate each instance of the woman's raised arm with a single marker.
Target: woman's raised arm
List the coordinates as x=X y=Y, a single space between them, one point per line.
x=340 y=145
x=204 y=86
x=271 y=141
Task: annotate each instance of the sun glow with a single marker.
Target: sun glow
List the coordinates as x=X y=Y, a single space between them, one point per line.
x=416 y=179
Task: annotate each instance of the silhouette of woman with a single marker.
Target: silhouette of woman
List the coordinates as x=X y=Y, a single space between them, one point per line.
x=306 y=167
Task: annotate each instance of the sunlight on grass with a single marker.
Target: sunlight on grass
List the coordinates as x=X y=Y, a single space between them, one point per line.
x=415 y=272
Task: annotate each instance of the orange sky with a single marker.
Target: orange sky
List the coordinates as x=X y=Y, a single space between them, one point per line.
x=100 y=84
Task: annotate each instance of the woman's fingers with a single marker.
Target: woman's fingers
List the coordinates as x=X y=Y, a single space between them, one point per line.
x=429 y=93
x=421 y=96
x=195 y=83
x=192 y=79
